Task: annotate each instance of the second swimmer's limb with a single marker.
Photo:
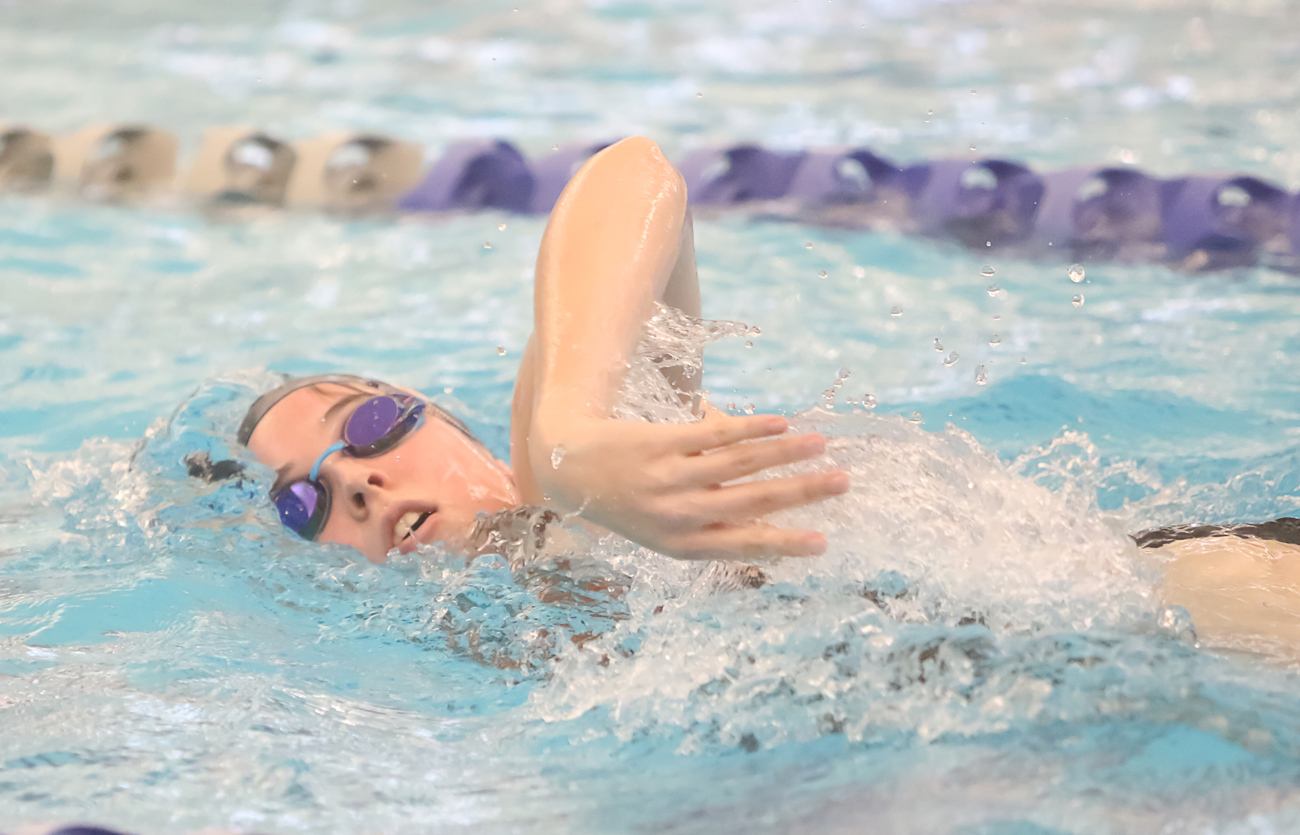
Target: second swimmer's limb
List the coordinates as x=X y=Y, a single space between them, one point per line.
x=1242 y=593
x=617 y=242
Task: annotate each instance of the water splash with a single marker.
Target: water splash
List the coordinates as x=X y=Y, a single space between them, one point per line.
x=947 y=571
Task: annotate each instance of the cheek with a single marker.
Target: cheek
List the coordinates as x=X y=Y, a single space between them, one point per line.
x=419 y=462
x=343 y=531
x=445 y=468
x=433 y=460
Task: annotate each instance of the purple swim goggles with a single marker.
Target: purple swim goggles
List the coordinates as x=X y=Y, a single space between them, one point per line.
x=376 y=426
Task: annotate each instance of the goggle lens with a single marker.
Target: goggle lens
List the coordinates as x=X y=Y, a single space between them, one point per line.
x=371 y=421
x=298 y=505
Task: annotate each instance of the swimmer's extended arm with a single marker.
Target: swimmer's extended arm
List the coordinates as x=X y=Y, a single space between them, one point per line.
x=618 y=240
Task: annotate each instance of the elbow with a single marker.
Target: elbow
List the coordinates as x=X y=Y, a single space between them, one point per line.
x=642 y=154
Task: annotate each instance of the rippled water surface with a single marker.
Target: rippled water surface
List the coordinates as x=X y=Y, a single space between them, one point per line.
x=980 y=651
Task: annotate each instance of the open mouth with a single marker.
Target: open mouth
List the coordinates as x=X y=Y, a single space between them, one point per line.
x=415 y=526
x=410 y=523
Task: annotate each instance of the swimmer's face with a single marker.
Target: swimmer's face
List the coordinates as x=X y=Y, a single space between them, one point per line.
x=436 y=470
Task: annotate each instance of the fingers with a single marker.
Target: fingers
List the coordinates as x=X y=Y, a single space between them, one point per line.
x=748 y=543
x=739 y=460
x=722 y=430
x=758 y=498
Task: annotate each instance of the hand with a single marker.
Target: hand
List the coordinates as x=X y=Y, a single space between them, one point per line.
x=671 y=487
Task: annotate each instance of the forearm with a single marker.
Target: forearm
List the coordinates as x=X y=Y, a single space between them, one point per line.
x=610 y=251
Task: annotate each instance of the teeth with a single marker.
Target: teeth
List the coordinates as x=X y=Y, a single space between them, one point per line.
x=408 y=522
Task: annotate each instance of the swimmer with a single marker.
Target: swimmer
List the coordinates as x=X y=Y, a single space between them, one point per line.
x=377 y=467
x=1240 y=583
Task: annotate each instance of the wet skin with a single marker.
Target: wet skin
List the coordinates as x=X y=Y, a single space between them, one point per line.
x=436 y=469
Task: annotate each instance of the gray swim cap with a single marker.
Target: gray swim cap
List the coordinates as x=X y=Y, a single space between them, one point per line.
x=263 y=404
x=266 y=402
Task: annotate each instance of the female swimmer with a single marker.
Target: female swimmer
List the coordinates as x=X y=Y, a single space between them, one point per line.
x=376 y=467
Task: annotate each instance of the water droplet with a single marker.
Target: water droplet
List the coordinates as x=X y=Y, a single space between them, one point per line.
x=896 y=312
x=859 y=272
x=749 y=408
x=501 y=227
x=986 y=243
x=844 y=372
x=972 y=148
x=1075 y=273
x=501 y=351
x=869 y=401
x=916 y=417
x=749 y=344
x=699 y=95
x=987 y=272
x=951 y=359
x=929 y=113
x=555 y=147
x=447 y=390
x=1077 y=300
x=756 y=331
x=995 y=340
x=807 y=245
x=557 y=455
x=1023 y=360
x=731 y=407
x=938 y=346
x=981 y=375
x=487 y=244
x=972 y=92
x=993 y=290
x=997 y=317
x=821 y=273
x=828 y=398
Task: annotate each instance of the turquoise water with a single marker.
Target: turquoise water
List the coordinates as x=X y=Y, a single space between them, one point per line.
x=979 y=652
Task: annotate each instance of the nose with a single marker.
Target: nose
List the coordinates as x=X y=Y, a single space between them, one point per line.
x=361 y=485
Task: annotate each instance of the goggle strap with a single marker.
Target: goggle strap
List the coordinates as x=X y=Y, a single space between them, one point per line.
x=329 y=450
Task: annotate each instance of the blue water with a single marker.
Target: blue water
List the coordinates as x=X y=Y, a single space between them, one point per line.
x=980 y=651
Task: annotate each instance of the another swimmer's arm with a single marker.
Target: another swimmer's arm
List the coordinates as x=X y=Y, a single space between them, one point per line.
x=610 y=251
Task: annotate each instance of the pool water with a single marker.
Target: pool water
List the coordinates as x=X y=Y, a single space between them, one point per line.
x=980 y=651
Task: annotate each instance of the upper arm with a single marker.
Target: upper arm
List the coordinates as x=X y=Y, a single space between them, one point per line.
x=521 y=421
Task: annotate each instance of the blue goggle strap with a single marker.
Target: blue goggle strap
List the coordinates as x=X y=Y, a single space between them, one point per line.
x=329 y=450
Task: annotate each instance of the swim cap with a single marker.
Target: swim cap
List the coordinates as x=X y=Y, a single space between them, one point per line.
x=264 y=404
